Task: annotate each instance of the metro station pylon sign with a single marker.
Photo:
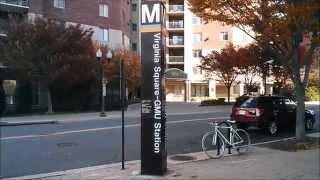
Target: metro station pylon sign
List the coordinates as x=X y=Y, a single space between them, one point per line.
x=153 y=117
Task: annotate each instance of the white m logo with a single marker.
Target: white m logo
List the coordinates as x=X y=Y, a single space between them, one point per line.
x=154 y=17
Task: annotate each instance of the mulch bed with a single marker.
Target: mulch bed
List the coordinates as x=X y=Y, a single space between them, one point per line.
x=293 y=145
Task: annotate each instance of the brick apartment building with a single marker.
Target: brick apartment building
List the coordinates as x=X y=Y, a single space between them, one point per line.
x=110 y=20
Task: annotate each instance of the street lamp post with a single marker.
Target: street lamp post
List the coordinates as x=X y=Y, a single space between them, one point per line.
x=122 y=88
x=122 y=96
x=103 y=83
x=265 y=76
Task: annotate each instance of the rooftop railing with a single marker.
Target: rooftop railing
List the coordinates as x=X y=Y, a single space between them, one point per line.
x=175 y=24
x=176 y=41
x=176 y=8
x=24 y=3
x=176 y=59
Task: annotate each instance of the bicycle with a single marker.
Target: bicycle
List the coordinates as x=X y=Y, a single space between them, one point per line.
x=213 y=142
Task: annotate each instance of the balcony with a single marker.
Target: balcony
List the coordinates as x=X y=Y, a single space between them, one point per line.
x=175 y=25
x=24 y=3
x=176 y=41
x=14 y=6
x=176 y=9
x=175 y=60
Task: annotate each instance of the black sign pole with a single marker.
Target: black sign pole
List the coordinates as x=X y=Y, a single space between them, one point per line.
x=153 y=118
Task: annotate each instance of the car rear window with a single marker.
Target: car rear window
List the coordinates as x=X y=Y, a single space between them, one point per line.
x=249 y=103
x=240 y=100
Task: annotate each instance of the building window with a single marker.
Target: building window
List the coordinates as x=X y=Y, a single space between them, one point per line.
x=59 y=4
x=196 y=70
x=134 y=46
x=199 y=90
x=134 y=27
x=197 y=37
x=134 y=7
x=10 y=99
x=103 y=10
x=224 y=36
x=105 y=35
x=36 y=93
x=196 y=20
x=197 y=53
x=122 y=38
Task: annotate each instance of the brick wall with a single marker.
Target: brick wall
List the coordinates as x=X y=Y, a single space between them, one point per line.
x=87 y=12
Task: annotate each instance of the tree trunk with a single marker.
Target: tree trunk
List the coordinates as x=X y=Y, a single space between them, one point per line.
x=50 y=108
x=300 y=122
x=265 y=84
x=228 y=87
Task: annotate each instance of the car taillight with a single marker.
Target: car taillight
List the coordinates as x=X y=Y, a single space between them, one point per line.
x=249 y=112
x=236 y=111
x=259 y=112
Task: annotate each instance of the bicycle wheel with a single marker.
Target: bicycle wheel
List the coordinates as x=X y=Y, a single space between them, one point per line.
x=211 y=148
x=244 y=140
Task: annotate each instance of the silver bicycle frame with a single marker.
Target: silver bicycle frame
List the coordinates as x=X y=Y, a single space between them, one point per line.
x=232 y=133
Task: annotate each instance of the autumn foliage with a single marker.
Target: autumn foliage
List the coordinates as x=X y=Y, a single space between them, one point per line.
x=132 y=67
x=50 y=51
x=277 y=26
x=224 y=64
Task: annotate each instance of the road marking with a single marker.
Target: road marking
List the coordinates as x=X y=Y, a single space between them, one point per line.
x=106 y=128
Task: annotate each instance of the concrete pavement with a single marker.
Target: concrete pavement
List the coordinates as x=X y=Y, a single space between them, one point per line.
x=259 y=163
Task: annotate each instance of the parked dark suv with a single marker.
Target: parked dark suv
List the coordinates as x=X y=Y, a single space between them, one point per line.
x=269 y=113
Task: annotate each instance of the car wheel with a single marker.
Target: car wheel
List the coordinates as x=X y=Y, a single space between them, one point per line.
x=272 y=128
x=309 y=124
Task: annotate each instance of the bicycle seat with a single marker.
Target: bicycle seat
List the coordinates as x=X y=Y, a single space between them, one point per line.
x=232 y=122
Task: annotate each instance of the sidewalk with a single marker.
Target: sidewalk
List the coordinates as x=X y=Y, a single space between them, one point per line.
x=132 y=111
x=259 y=163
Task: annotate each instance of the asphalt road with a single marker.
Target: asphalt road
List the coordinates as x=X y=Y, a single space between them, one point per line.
x=34 y=149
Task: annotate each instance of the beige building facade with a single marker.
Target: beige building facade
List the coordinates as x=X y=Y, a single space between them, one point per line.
x=188 y=39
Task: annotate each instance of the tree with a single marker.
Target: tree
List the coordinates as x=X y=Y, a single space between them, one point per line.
x=279 y=27
x=280 y=76
x=132 y=67
x=264 y=62
x=51 y=50
x=224 y=64
x=248 y=63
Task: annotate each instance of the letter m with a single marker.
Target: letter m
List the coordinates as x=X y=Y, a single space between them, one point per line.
x=153 y=17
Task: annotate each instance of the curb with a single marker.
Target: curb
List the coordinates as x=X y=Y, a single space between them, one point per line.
x=71 y=171
x=71 y=120
x=20 y=123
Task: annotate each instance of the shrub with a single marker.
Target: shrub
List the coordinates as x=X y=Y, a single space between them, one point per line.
x=313 y=93
x=213 y=102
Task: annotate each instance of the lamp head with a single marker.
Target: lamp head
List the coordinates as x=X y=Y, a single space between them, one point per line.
x=109 y=55
x=99 y=53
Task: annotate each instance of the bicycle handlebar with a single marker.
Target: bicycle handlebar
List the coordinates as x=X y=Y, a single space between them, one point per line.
x=217 y=122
